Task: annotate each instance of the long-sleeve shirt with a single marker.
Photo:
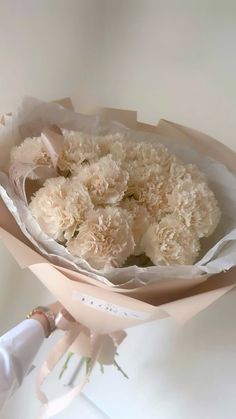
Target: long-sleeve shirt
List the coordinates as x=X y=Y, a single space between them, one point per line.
x=18 y=348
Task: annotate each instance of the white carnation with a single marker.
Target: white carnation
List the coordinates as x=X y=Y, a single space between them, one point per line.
x=105 y=181
x=114 y=144
x=31 y=151
x=195 y=204
x=145 y=154
x=141 y=153
x=78 y=149
x=170 y=242
x=141 y=221
x=195 y=173
x=60 y=206
x=105 y=238
x=148 y=185
x=180 y=171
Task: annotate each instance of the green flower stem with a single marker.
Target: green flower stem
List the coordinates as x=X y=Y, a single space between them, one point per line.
x=120 y=369
x=65 y=366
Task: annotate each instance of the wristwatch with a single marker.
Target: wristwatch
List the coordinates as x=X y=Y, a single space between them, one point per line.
x=48 y=314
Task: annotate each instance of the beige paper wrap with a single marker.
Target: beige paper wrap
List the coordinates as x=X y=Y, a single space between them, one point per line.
x=128 y=307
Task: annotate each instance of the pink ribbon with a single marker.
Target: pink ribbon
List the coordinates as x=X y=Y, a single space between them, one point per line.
x=20 y=172
x=52 y=408
x=52 y=139
x=53 y=142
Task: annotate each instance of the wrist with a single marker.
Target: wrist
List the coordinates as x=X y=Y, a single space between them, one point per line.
x=44 y=323
x=46 y=317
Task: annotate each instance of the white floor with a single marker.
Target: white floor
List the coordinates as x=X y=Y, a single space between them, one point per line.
x=172 y=59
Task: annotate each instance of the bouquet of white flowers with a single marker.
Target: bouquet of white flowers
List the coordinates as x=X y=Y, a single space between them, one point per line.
x=122 y=226
x=112 y=199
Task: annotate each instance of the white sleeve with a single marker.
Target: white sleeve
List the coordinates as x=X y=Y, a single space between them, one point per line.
x=18 y=348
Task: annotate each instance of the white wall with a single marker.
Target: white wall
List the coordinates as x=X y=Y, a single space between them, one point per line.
x=45 y=48
x=170 y=59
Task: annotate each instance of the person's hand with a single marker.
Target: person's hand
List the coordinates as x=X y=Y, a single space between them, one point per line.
x=56 y=308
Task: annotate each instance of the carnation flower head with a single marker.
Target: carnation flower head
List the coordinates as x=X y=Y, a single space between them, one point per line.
x=105 y=181
x=78 y=149
x=195 y=173
x=195 y=205
x=123 y=149
x=180 y=171
x=114 y=144
x=146 y=154
x=141 y=221
x=148 y=186
x=60 y=206
x=170 y=242
x=105 y=239
x=31 y=151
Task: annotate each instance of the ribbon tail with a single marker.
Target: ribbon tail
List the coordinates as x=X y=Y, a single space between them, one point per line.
x=56 y=354
x=50 y=409
x=56 y=406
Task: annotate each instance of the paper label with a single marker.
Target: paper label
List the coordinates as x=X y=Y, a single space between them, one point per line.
x=113 y=309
